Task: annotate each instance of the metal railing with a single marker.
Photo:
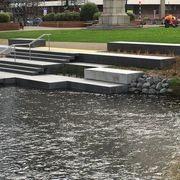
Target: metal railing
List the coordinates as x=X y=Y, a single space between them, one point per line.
x=12 y=48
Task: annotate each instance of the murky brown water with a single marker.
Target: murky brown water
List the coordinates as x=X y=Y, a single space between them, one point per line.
x=66 y=135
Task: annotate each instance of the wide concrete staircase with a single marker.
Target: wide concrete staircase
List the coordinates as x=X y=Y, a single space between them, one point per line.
x=34 y=62
x=98 y=78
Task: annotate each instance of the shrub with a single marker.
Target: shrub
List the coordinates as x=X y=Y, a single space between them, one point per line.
x=87 y=11
x=4 y=17
x=66 y=16
x=10 y=15
x=131 y=15
x=96 y=16
x=58 y=17
x=49 y=17
x=76 y=16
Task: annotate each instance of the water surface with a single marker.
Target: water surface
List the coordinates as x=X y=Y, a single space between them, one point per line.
x=69 y=135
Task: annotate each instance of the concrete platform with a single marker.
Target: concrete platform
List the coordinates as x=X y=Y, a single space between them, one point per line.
x=50 y=82
x=118 y=59
x=112 y=75
x=162 y=48
x=87 y=65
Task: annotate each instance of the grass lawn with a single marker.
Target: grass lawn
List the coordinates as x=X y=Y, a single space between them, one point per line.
x=160 y=34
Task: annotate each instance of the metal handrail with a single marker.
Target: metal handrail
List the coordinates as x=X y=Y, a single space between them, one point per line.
x=12 y=47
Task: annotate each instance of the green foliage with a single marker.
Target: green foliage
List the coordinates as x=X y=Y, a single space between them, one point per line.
x=65 y=16
x=10 y=15
x=96 y=15
x=87 y=11
x=49 y=17
x=4 y=17
x=131 y=15
x=175 y=86
x=68 y=16
x=58 y=17
x=76 y=16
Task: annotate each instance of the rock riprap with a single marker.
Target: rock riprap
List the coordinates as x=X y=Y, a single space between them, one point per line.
x=150 y=85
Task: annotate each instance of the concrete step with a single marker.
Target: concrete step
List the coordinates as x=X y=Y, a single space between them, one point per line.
x=18 y=71
x=120 y=76
x=46 y=55
x=27 y=62
x=25 y=67
x=37 y=58
x=77 y=68
x=86 y=65
x=45 y=51
x=128 y=60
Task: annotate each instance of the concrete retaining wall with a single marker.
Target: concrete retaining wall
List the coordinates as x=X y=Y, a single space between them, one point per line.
x=162 y=48
x=125 y=60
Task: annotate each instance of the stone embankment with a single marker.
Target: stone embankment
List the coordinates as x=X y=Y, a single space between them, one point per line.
x=150 y=85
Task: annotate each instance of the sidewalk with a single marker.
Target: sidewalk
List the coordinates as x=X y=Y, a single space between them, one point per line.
x=80 y=45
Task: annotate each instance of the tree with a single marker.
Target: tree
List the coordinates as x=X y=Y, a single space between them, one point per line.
x=87 y=11
x=21 y=9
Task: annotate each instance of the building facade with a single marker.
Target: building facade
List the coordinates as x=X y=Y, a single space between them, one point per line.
x=147 y=8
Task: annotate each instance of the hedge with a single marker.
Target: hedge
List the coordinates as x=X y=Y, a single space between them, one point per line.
x=4 y=17
x=66 y=16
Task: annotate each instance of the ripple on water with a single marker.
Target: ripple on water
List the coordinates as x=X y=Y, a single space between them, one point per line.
x=67 y=135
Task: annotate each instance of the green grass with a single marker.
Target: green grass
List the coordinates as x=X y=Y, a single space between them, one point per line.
x=164 y=35
x=175 y=86
x=175 y=81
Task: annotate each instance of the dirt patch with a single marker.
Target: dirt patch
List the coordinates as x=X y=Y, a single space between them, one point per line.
x=171 y=72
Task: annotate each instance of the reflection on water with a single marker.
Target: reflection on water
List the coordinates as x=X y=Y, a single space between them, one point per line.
x=65 y=135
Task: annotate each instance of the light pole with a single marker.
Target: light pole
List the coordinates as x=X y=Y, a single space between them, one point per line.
x=126 y=6
x=67 y=4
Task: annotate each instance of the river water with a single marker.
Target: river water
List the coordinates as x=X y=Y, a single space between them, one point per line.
x=69 y=135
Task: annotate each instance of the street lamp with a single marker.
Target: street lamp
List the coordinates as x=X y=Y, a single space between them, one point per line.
x=126 y=6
